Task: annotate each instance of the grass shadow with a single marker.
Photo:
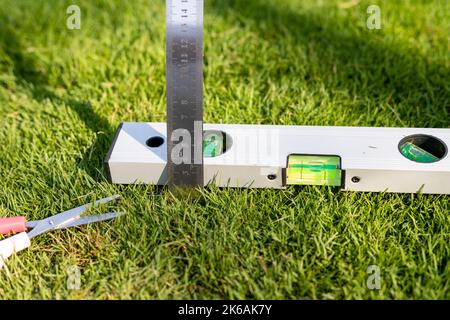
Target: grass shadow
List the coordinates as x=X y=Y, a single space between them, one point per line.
x=29 y=77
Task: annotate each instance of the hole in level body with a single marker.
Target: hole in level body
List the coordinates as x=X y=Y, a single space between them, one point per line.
x=422 y=148
x=215 y=143
x=155 y=142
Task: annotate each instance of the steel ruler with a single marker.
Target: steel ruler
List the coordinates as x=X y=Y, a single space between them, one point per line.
x=184 y=84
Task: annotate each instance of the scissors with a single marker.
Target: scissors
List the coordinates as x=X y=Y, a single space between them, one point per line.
x=66 y=219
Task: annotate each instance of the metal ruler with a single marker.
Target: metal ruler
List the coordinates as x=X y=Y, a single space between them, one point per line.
x=184 y=83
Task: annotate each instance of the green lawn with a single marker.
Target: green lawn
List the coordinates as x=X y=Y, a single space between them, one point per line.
x=63 y=93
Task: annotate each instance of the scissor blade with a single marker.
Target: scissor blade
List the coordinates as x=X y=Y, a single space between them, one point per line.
x=91 y=219
x=65 y=217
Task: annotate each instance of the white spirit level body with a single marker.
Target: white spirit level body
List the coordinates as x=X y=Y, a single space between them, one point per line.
x=257 y=156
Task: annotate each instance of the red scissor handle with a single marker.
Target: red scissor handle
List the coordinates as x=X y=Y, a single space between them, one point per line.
x=13 y=225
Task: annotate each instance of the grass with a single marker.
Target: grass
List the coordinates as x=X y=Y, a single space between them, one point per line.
x=63 y=93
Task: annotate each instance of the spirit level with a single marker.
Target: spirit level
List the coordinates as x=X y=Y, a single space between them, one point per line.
x=264 y=156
